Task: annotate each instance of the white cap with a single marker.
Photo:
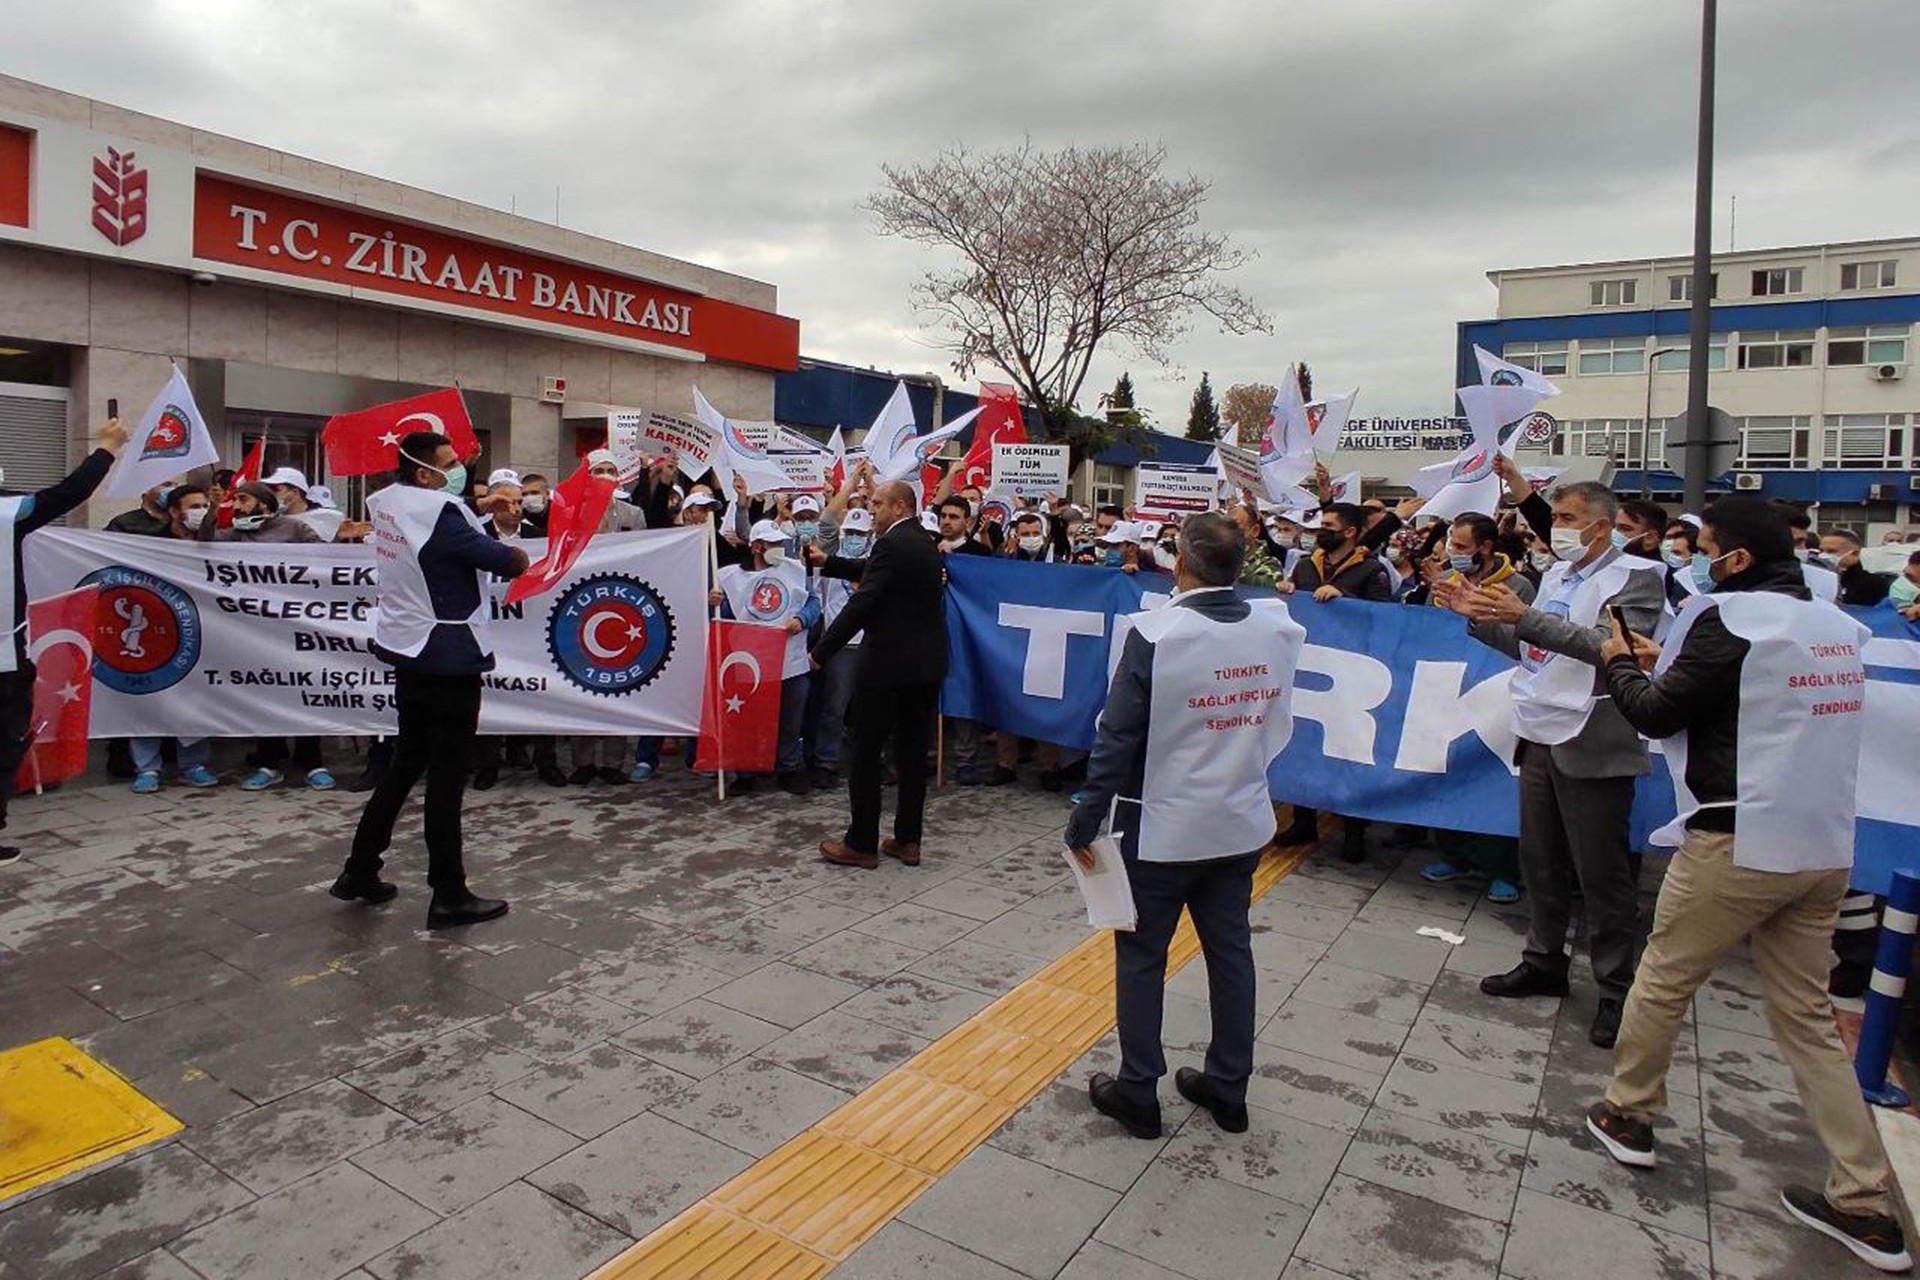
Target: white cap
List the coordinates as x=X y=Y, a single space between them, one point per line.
x=1692 y=519
x=1146 y=530
x=321 y=496
x=930 y=521
x=806 y=502
x=287 y=476
x=602 y=458
x=857 y=521
x=503 y=475
x=768 y=532
x=701 y=499
x=1122 y=531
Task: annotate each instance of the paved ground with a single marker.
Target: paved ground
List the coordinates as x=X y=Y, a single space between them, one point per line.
x=680 y=988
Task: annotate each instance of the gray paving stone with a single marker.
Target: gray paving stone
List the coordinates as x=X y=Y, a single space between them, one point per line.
x=856 y=957
x=1271 y=990
x=965 y=896
x=807 y=920
x=320 y=1226
x=699 y=1038
x=1051 y=1213
x=753 y=1105
x=740 y=948
x=1285 y=954
x=1471 y=1174
x=465 y=1154
x=558 y=1025
x=917 y=925
x=1552 y=1239
x=595 y=1089
x=919 y=1006
x=523 y=969
x=1304 y=886
x=987 y=970
x=1739 y=1062
x=1206 y=1228
x=784 y=994
x=1097 y=1260
x=1459 y=994
x=441 y=1074
x=1753 y=1246
x=158 y=1265
x=654 y=983
x=284 y=1141
x=517 y=1233
x=1371 y=995
x=83 y=1227
x=1060 y=1129
x=1746 y=1171
x=131 y=991
x=1031 y=935
x=901 y=1252
x=1321 y=923
x=1323 y=1032
x=1491 y=1048
x=1329 y=1094
x=1412 y=958
x=841 y=1050
x=1279 y=1155
x=639 y=1174
x=1467 y=1101
x=1370 y=1232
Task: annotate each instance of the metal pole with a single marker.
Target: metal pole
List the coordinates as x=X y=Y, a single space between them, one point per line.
x=1698 y=449
x=1646 y=429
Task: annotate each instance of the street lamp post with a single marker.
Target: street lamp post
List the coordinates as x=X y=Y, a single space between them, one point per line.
x=1646 y=420
x=1699 y=447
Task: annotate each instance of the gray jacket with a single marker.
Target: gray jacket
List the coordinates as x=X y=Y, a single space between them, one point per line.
x=1608 y=747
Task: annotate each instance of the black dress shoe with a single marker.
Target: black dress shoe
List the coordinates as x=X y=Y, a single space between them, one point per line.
x=1194 y=1088
x=1141 y=1122
x=448 y=910
x=551 y=775
x=1606 y=1024
x=583 y=775
x=367 y=781
x=1524 y=980
x=797 y=783
x=1297 y=834
x=612 y=777
x=347 y=889
x=1353 y=843
x=1050 y=780
x=484 y=779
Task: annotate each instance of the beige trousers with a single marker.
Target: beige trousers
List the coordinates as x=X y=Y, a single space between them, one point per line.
x=1706 y=906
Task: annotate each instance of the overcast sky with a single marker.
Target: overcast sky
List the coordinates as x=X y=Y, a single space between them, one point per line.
x=1379 y=155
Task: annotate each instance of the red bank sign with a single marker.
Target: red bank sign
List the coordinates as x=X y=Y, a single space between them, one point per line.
x=292 y=235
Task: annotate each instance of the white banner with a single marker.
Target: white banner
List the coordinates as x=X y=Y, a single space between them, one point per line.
x=692 y=443
x=806 y=469
x=1241 y=469
x=234 y=640
x=1167 y=489
x=623 y=438
x=1030 y=470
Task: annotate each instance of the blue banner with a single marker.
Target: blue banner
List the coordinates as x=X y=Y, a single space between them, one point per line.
x=1398 y=713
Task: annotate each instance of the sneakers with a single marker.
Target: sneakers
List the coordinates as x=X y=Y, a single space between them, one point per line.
x=1627 y=1140
x=146 y=782
x=321 y=780
x=201 y=777
x=9 y=853
x=1874 y=1238
x=1503 y=893
x=1443 y=872
x=641 y=772
x=261 y=779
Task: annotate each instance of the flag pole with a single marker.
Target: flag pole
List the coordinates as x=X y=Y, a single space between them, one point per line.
x=713 y=633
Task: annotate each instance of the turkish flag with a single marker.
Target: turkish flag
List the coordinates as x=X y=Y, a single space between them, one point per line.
x=999 y=423
x=368 y=440
x=574 y=509
x=60 y=643
x=249 y=471
x=740 y=715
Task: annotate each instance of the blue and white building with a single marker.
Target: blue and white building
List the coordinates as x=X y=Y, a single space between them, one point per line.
x=1812 y=355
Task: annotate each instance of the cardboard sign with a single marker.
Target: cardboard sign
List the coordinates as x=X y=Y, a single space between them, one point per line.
x=1030 y=470
x=623 y=438
x=1241 y=467
x=692 y=443
x=1164 y=490
x=806 y=469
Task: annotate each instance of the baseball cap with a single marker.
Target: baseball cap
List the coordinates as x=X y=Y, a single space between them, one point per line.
x=930 y=521
x=806 y=502
x=288 y=476
x=701 y=499
x=1122 y=531
x=602 y=458
x=767 y=531
x=321 y=496
x=857 y=522
x=503 y=475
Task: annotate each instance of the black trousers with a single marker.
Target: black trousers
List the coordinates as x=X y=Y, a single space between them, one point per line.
x=1573 y=832
x=16 y=728
x=1218 y=893
x=274 y=753
x=439 y=719
x=904 y=716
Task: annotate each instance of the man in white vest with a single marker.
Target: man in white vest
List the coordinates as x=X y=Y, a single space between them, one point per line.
x=1757 y=677
x=1200 y=705
x=1578 y=759
x=432 y=561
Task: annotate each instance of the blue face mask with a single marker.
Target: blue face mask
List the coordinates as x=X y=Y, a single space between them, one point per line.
x=456 y=480
x=1114 y=558
x=1619 y=540
x=854 y=544
x=808 y=529
x=1464 y=564
x=1703 y=570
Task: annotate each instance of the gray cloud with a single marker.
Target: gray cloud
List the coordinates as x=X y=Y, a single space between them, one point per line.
x=1381 y=155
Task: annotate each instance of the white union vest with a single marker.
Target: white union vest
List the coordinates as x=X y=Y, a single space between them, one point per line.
x=9 y=624
x=1801 y=690
x=771 y=596
x=404 y=517
x=1222 y=710
x=1553 y=695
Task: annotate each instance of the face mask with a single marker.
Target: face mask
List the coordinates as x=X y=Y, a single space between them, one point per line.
x=775 y=555
x=1304 y=541
x=534 y=503
x=194 y=517
x=1541 y=560
x=1166 y=557
x=1670 y=552
x=1114 y=557
x=1567 y=544
x=456 y=479
x=1464 y=564
x=1619 y=540
x=1396 y=555
x=1329 y=540
x=808 y=529
x=1803 y=554
x=248 y=523
x=1703 y=570
x=1033 y=544
x=1904 y=592
x=854 y=544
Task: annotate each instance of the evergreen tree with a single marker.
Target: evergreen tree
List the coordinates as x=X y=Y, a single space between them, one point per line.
x=1203 y=419
x=1122 y=394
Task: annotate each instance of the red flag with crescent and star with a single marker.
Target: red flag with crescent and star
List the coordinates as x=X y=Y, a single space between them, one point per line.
x=367 y=441
x=740 y=715
x=574 y=509
x=999 y=423
x=60 y=645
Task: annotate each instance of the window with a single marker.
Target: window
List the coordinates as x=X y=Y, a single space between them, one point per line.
x=1770 y=282
x=1548 y=358
x=1776 y=350
x=1680 y=288
x=1616 y=438
x=1868 y=344
x=1614 y=293
x=1867 y=275
x=1865 y=441
x=1110 y=485
x=1774 y=442
x=1677 y=360
x=1613 y=355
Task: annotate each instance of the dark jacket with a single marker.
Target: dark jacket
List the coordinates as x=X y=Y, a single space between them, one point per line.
x=139 y=522
x=1361 y=577
x=1118 y=765
x=452 y=560
x=900 y=606
x=41 y=509
x=1862 y=586
x=1700 y=693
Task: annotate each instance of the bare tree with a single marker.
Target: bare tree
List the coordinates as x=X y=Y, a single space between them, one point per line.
x=1245 y=410
x=1060 y=252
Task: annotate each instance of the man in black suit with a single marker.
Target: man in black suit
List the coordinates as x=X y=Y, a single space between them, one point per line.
x=899 y=611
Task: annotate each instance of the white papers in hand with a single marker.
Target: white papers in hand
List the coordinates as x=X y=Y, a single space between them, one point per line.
x=1108 y=896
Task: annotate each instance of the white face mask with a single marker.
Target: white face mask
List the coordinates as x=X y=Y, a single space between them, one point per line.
x=1033 y=543
x=1567 y=544
x=534 y=503
x=1540 y=559
x=248 y=523
x=194 y=517
x=775 y=554
x=1803 y=554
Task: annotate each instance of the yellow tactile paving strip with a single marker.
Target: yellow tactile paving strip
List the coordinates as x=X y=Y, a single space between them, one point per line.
x=61 y=1111
x=802 y=1209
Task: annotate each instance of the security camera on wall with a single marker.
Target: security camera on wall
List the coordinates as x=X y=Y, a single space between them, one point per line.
x=203 y=279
